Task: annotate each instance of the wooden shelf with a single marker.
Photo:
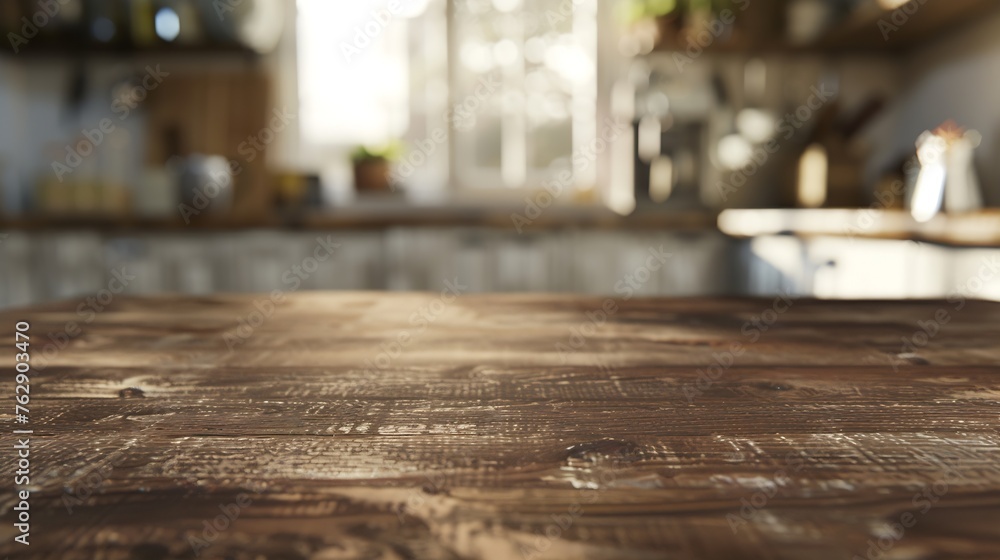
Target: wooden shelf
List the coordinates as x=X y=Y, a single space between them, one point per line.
x=352 y=219
x=71 y=50
x=861 y=32
x=930 y=21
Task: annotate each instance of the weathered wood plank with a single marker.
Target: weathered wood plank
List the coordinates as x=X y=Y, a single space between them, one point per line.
x=648 y=436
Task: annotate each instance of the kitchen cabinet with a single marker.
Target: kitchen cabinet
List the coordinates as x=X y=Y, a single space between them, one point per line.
x=47 y=266
x=846 y=268
x=71 y=264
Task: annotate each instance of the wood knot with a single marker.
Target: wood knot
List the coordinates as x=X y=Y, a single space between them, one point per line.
x=608 y=447
x=769 y=386
x=131 y=393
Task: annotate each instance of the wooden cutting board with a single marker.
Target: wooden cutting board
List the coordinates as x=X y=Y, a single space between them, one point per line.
x=401 y=425
x=216 y=113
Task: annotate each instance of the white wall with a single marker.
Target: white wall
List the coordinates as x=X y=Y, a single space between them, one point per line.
x=37 y=123
x=956 y=78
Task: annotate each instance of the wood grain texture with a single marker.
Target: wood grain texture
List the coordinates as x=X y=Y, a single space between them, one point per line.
x=512 y=427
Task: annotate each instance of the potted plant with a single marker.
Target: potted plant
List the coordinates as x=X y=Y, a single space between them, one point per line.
x=645 y=9
x=373 y=167
x=675 y=17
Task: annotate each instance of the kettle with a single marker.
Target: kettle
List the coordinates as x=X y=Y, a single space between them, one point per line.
x=205 y=183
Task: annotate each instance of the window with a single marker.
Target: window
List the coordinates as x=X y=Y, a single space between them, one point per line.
x=352 y=73
x=485 y=94
x=542 y=53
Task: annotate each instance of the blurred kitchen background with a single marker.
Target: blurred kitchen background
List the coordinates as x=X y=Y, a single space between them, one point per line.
x=833 y=148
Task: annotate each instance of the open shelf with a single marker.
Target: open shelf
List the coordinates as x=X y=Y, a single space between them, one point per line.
x=931 y=20
x=861 y=32
x=73 y=49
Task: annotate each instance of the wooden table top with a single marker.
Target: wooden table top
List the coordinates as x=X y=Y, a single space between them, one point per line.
x=520 y=427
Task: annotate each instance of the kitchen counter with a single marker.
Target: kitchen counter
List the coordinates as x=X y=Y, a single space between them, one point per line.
x=385 y=216
x=977 y=229
x=974 y=229
x=443 y=425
